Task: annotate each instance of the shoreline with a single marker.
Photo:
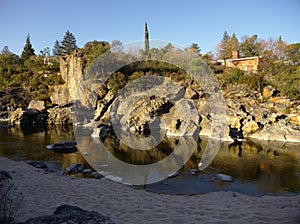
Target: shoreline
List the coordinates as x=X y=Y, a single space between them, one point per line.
x=44 y=192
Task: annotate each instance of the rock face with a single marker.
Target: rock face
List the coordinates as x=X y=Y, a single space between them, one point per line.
x=37 y=104
x=71 y=72
x=250 y=114
x=60 y=115
x=70 y=214
x=28 y=116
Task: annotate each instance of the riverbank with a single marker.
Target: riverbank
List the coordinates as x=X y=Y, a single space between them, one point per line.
x=44 y=192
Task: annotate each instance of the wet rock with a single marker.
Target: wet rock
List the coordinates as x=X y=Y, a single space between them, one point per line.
x=4 y=175
x=74 y=168
x=224 y=177
x=63 y=147
x=67 y=214
x=38 y=164
x=96 y=175
x=192 y=171
x=174 y=174
x=87 y=171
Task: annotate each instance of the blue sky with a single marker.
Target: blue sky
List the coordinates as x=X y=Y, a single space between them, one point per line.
x=183 y=22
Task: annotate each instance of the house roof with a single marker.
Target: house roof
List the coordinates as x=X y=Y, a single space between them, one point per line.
x=239 y=59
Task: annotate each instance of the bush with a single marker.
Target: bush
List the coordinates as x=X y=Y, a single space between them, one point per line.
x=255 y=81
x=11 y=201
x=232 y=76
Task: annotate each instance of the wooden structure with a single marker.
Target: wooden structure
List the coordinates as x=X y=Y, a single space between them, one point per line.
x=250 y=64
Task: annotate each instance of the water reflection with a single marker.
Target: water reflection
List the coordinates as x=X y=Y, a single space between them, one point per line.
x=258 y=167
x=29 y=143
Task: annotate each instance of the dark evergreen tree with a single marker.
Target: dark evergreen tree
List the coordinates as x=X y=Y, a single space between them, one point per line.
x=195 y=48
x=57 y=50
x=234 y=42
x=146 y=41
x=68 y=44
x=28 y=51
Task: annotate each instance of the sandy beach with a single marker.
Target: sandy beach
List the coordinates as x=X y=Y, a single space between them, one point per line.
x=44 y=192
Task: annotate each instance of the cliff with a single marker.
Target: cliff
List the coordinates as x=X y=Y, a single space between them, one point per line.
x=71 y=72
x=250 y=114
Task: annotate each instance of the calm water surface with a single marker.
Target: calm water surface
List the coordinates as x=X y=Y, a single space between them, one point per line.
x=258 y=168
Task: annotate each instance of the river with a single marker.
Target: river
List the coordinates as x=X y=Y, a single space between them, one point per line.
x=258 y=168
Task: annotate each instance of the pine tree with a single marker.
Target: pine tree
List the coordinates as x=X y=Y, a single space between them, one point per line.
x=146 y=41
x=57 y=51
x=234 y=42
x=68 y=44
x=195 y=48
x=28 y=51
x=224 y=48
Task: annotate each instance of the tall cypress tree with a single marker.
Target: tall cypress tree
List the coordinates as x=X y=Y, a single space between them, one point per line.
x=28 y=51
x=146 y=41
x=68 y=44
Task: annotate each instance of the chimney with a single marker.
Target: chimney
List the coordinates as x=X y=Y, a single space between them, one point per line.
x=235 y=54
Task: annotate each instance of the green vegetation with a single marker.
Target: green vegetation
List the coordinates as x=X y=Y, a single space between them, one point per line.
x=66 y=46
x=28 y=51
x=31 y=76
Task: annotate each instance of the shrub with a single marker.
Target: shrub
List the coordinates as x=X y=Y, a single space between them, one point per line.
x=11 y=201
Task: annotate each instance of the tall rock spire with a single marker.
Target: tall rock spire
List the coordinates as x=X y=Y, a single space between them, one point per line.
x=146 y=41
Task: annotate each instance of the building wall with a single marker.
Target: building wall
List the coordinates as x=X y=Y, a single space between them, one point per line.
x=244 y=65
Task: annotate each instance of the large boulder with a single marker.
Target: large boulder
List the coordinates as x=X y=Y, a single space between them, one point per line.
x=70 y=214
x=37 y=105
x=28 y=116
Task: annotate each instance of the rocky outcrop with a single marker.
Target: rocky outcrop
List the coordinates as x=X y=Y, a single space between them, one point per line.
x=71 y=72
x=265 y=116
x=181 y=109
x=70 y=214
x=28 y=116
x=60 y=115
x=37 y=105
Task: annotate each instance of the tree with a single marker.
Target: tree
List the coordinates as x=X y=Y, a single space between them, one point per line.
x=280 y=49
x=146 y=41
x=234 y=43
x=224 y=48
x=195 y=48
x=5 y=50
x=293 y=52
x=57 y=50
x=68 y=44
x=93 y=49
x=28 y=51
x=250 y=46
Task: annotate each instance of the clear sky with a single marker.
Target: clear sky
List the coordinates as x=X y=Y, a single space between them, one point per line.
x=183 y=22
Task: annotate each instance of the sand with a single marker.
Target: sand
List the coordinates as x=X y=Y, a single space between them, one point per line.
x=44 y=191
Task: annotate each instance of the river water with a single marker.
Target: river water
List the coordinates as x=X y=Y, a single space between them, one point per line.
x=258 y=168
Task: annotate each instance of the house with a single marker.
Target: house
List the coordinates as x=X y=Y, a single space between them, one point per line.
x=250 y=64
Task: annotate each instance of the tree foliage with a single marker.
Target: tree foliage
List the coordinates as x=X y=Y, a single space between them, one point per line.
x=57 y=50
x=68 y=44
x=224 y=49
x=195 y=48
x=250 y=46
x=28 y=50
